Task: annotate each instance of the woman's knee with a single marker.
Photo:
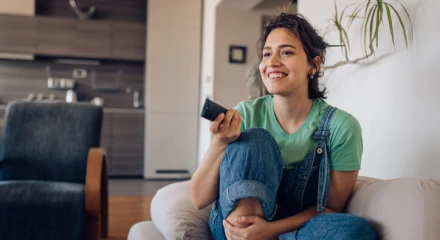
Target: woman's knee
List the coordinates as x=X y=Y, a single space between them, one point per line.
x=254 y=156
x=250 y=170
x=257 y=137
x=255 y=146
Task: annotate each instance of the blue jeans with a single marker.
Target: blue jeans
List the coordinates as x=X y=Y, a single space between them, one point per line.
x=252 y=167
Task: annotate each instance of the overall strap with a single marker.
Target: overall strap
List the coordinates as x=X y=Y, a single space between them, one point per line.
x=323 y=132
x=322 y=135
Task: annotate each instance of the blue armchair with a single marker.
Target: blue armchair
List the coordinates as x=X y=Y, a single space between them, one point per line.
x=53 y=175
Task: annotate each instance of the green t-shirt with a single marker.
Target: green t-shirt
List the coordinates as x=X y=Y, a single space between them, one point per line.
x=345 y=141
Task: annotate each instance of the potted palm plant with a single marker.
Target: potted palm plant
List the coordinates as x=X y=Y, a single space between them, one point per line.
x=373 y=15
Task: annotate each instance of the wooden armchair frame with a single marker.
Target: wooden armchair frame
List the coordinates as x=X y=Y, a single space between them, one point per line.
x=96 y=195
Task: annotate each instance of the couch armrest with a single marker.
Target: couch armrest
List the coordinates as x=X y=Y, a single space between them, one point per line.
x=96 y=194
x=174 y=214
x=404 y=208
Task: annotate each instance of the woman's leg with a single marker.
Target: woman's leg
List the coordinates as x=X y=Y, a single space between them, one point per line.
x=251 y=169
x=334 y=226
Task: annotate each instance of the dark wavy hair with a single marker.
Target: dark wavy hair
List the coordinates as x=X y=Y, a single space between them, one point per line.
x=312 y=43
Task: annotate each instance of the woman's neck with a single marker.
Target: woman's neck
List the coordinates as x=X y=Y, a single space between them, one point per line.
x=292 y=111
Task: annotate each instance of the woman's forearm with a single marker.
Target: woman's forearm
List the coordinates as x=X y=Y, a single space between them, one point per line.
x=296 y=221
x=205 y=180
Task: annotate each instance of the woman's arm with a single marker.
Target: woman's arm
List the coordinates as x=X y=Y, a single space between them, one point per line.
x=341 y=186
x=205 y=180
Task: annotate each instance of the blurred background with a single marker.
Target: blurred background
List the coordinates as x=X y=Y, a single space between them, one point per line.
x=151 y=64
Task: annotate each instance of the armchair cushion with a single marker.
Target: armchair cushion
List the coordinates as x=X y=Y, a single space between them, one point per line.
x=48 y=140
x=44 y=190
x=42 y=209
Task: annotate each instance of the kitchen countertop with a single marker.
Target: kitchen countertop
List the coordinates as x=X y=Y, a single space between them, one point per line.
x=106 y=109
x=123 y=110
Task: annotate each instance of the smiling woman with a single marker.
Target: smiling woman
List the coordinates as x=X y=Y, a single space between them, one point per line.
x=287 y=62
x=280 y=160
x=306 y=51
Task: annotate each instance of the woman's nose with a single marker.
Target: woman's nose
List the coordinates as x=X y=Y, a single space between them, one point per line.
x=274 y=61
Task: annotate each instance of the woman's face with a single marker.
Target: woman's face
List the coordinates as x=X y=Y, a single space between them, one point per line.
x=284 y=67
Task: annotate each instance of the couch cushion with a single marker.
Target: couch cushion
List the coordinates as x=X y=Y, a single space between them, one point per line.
x=404 y=208
x=175 y=216
x=41 y=210
x=144 y=231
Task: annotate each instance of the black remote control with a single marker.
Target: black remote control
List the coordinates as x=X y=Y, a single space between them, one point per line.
x=211 y=110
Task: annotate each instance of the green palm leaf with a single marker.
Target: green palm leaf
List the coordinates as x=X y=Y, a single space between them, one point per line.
x=372 y=22
x=355 y=13
x=378 y=20
x=402 y=25
x=346 y=37
x=366 y=27
x=368 y=4
x=390 y=23
x=407 y=14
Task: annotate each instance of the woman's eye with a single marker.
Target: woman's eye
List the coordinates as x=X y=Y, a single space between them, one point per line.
x=287 y=53
x=266 y=54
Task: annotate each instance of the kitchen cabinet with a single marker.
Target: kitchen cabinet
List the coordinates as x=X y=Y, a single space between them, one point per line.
x=68 y=37
x=106 y=135
x=123 y=138
x=2 y=122
x=17 y=34
x=55 y=37
x=172 y=139
x=73 y=38
x=128 y=41
x=2 y=116
x=93 y=38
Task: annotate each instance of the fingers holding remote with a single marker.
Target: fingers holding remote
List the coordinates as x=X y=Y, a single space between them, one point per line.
x=226 y=127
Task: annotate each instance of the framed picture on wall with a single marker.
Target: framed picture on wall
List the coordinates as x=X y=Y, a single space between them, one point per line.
x=237 y=54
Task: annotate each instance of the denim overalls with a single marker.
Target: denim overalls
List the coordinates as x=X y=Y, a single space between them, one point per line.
x=252 y=167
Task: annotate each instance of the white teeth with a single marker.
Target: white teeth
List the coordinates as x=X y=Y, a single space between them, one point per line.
x=276 y=75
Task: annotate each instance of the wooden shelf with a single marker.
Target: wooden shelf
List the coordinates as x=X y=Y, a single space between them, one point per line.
x=66 y=37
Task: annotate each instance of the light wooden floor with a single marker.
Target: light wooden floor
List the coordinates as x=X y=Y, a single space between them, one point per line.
x=124 y=212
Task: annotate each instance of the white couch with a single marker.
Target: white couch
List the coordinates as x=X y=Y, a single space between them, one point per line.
x=400 y=209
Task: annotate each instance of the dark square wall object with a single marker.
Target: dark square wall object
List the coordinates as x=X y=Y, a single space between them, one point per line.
x=237 y=54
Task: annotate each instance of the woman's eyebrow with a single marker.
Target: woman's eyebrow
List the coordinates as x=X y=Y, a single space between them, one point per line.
x=286 y=45
x=281 y=46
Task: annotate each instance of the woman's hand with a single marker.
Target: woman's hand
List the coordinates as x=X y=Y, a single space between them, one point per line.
x=258 y=229
x=226 y=128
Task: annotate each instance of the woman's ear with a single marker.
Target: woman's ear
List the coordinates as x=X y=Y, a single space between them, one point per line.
x=316 y=65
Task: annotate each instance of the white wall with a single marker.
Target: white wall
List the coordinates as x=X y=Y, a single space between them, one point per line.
x=17 y=7
x=396 y=98
x=224 y=25
x=242 y=4
x=172 y=86
x=207 y=71
x=234 y=26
